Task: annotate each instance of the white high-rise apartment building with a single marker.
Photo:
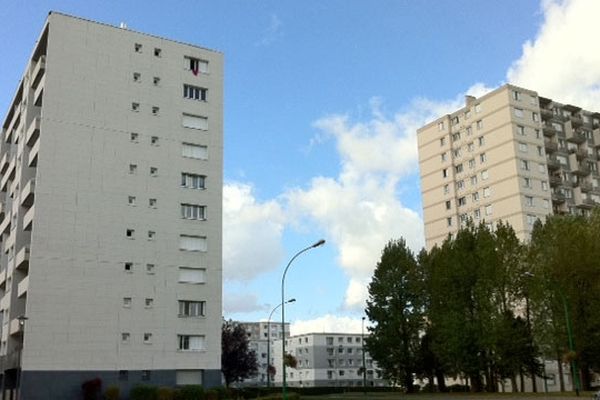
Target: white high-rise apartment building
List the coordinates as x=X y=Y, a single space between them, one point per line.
x=110 y=213
x=509 y=155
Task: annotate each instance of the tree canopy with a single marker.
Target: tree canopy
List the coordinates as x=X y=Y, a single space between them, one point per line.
x=238 y=361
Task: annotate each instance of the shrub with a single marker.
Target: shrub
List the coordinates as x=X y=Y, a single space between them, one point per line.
x=190 y=392
x=92 y=389
x=143 y=392
x=112 y=393
x=165 y=393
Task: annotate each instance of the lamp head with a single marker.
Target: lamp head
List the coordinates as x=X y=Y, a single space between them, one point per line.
x=319 y=243
x=291 y=301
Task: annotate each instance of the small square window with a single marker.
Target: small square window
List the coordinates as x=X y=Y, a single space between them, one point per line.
x=149 y=303
x=127 y=302
x=150 y=268
x=130 y=233
x=135 y=106
x=147 y=338
x=146 y=375
x=157 y=52
x=154 y=140
x=153 y=171
x=128 y=267
x=137 y=77
x=151 y=235
x=152 y=203
x=123 y=375
x=155 y=110
x=156 y=80
x=133 y=136
x=132 y=168
x=131 y=200
x=137 y=47
x=125 y=337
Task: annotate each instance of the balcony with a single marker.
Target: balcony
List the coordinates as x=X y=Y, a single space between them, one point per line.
x=555 y=180
x=552 y=163
x=10 y=241
x=548 y=129
x=5 y=160
x=16 y=327
x=33 y=155
x=558 y=197
x=38 y=71
x=39 y=93
x=546 y=114
x=574 y=135
x=22 y=287
x=582 y=200
x=33 y=131
x=550 y=146
x=585 y=187
x=576 y=120
x=5 y=225
x=28 y=193
x=596 y=134
x=3 y=278
x=28 y=219
x=22 y=259
x=5 y=301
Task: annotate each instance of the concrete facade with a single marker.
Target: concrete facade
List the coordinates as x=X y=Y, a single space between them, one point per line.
x=110 y=212
x=509 y=155
x=326 y=359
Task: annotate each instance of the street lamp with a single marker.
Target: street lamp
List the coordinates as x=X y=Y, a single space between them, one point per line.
x=312 y=246
x=569 y=333
x=21 y=319
x=362 y=341
x=269 y=339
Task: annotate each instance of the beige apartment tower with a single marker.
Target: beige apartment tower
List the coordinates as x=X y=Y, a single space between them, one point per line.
x=110 y=213
x=510 y=155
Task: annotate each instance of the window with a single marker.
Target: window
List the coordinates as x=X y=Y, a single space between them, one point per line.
x=449 y=221
x=477 y=213
x=193 y=211
x=135 y=107
x=149 y=302
x=537 y=134
x=477 y=107
x=544 y=185
x=150 y=268
x=527 y=182
x=448 y=204
x=535 y=117
x=131 y=200
x=147 y=338
x=127 y=302
x=529 y=201
x=192 y=275
x=472 y=163
x=137 y=47
x=133 y=137
x=540 y=151
x=192 y=243
x=455 y=136
x=201 y=152
x=193 y=181
x=531 y=219
x=446 y=189
x=146 y=375
x=155 y=110
x=130 y=233
x=519 y=112
x=523 y=147
x=441 y=126
x=457 y=153
x=445 y=173
x=481 y=141
x=469 y=130
x=475 y=196
x=462 y=201
x=516 y=95
x=482 y=158
x=524 y=165
x=132 y=168
x=157 y=52
x=488 y=209
x=125 y=337
x=521 y=130
x=188 y=308
x=546 y=203
x=153 y=171
x=151 y=235
x=474 y=180
x=458 y=168
x=486 y=192
x=196 y=65
x=137 y=77
x=442 y=141
x=191 y=342
x=460 y=185
x=128 y=267
x=471 y=147
x=156 y=81
x=154 y=140
x=455 y=121
x=484 y=175
x=541 y=168
x=194 y=92
x=479 y=124
x=444 y=156
x=194 y=122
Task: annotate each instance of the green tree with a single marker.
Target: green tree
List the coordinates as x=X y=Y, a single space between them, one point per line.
x=238 y=361
x=395 y=306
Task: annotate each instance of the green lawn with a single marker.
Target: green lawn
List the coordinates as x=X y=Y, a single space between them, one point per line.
x=452 y=396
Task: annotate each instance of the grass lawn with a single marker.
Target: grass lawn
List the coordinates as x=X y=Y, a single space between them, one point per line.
x=452 y=396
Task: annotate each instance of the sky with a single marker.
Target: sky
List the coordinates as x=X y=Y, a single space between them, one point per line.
x=321 y=105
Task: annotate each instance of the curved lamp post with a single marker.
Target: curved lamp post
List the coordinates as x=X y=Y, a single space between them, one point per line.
x=269 y=339
x=312 y=246
x=574 y=367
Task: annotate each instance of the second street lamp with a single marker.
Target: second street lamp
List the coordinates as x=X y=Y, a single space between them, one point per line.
x=269 y=339
x=312 y=246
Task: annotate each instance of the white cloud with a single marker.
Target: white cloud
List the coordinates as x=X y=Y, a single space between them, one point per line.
x=272 y=33
x=252 y=233
x=328 y=323
x=562 y=62
x=241 y=303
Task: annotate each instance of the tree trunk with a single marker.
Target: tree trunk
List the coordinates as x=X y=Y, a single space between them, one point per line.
x=533 y=381
x=441 y=381
x=513 y=383
x=476 y=383
x=522 y=379
x=408 y=383
x=561 y=378
x=584 y=375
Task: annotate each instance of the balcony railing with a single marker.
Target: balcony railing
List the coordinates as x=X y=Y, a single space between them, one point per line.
x=38 y=72
x=33 y=131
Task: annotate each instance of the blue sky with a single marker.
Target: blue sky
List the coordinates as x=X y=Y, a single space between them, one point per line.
x=322 y=99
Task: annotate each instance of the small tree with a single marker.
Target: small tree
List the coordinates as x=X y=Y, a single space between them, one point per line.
x=290 y=361
x=238 y=362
